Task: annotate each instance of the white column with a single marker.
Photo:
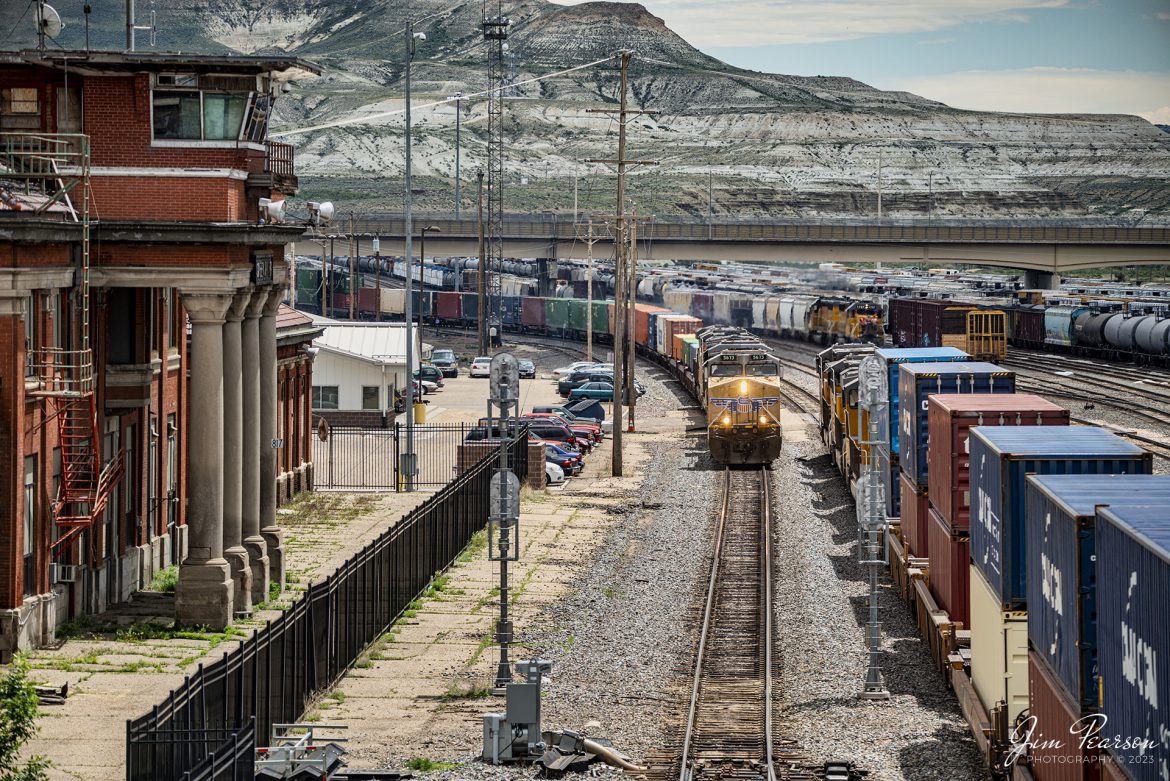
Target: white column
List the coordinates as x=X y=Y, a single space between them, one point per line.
x=268 y=528
x=233 y=435
x=204 y=592
x=250 y=468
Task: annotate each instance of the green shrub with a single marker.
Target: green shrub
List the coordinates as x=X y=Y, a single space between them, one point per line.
x=18 y=716
x=165 y=580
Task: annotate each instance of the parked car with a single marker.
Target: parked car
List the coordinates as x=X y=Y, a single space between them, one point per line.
x=571 y=463
x=446 y=361
x=602 y=391
x=429 y=373
x=587 y=428
x=577 y=379
x=527 y=369
x=565 y=371
x=480 y=367
x=427 y=386
x=553 y=473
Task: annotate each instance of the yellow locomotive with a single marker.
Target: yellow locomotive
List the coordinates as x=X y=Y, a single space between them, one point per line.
x=740 y=385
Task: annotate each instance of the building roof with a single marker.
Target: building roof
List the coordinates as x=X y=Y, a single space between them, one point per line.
x=293 y=327
x=112 y=61
x=383 y=344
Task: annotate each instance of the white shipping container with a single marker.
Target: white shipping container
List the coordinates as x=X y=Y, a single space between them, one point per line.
x=393 y=301
x=999 y=650
x=759 y=312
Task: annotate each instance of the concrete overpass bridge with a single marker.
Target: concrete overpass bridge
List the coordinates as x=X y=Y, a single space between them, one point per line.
x=1039 y=246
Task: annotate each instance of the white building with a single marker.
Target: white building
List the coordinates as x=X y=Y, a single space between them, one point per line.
x=359 y=366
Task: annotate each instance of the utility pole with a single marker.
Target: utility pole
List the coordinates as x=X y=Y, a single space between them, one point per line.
x=879 y=185
x=620 y=249
x=378 y=279
x=589 y=240
x=631 y=328
x=352 y=287
x=481 y=277
x=458 y=178
x=495 y=33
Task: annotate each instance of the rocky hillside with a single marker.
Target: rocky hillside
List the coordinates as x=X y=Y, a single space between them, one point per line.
x=735 y=142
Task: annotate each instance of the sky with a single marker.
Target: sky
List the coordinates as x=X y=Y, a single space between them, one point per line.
x=1062 y=56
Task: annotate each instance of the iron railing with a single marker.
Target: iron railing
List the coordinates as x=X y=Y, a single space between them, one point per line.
x=272 y=676
x=278 y=158
x=352 y=458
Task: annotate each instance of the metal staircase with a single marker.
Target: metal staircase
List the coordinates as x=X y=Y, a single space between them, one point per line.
x=38 y=171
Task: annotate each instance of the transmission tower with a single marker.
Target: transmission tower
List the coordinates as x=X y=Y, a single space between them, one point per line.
x=495 y=35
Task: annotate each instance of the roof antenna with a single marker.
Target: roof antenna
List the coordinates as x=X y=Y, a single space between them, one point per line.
x=87 y=11
x=48 y=24
x=133 y=27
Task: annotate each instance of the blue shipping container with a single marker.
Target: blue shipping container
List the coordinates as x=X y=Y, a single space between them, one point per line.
x=1060 y=515
x=1133 y=635
x=510 y=310
x=1001 y=459
x=919 y=380
x=894 y=357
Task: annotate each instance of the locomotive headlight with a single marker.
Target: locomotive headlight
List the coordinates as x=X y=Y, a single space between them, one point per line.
x=727 y=420
x=743 y=387
x=763 y=420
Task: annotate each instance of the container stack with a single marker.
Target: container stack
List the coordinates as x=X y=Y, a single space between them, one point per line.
x=1133 y=636
x=916 y=383
x=1061 y=516
x=888 y=456
x=1001 y=458
x=950 y=418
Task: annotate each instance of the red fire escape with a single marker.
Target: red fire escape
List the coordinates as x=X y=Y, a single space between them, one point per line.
x=38 y=174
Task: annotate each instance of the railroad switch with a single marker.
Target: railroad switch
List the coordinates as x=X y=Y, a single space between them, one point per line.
x=515 y=736
x=842 y=771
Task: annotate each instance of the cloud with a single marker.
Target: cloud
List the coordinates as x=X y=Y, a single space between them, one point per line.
x=707 y=23
x=1050 y=90
x=1163 y=15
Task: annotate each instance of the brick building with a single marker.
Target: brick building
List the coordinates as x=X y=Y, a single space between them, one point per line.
x=139 y=290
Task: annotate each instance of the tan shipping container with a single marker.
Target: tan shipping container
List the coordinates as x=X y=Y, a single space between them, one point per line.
x=999 y=650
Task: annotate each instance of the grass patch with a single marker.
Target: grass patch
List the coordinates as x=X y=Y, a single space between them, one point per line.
x=467 y=691
x=484 y=643
x=336 y=696
x=274 y=591
x=165 y=580
x=475 y=547
x=424 y=765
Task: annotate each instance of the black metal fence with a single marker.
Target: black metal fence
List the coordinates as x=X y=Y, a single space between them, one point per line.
x=370 y=459
x=208 y=727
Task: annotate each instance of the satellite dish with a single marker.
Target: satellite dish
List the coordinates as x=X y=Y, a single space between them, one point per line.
x=48 y=21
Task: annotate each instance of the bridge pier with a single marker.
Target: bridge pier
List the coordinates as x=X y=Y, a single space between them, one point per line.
x=1041 y=280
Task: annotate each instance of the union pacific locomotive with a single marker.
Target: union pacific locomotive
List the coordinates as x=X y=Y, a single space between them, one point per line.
x=739 y=386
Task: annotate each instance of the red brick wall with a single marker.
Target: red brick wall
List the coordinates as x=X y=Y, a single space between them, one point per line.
x=172 y=255
x=174 y=199
x=11 y=458
x=117 y=119
x=13 y=254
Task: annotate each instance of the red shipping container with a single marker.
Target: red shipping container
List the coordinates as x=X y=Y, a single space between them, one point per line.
x=367 y=300
x=950 y=418
x=642 y=321
x=1056 y=753
x=448 y=306
x=915 y=518
x=950 y=568
x=532 y=312
x=1111 y=769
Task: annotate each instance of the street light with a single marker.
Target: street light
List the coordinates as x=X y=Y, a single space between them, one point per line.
x=422 y=267
x=409 y=457
x=458 y=98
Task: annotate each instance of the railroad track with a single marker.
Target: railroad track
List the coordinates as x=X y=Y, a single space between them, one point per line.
x=729 y=731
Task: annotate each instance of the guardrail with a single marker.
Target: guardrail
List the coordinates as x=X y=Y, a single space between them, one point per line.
x=202 y=727
x=556 y=227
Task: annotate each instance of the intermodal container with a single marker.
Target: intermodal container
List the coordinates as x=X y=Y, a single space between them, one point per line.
x=469 y=306
x=999 y=650
x=1111 y=768
x=1001 y=459
x=1061 y=517
x=447 y=306
x=393 y=300
x=893 y=357
x=509 y=310
x=1055 y=743
x=949 y=551
x=950 y=419
x=915 y=507
x=703 y=307
x=532 y=312
x=556 y=314
x=1133 y=634
x=367 y=301
x=578 y=313
x=917 y=381
x=642 y=321
x=600 y=317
